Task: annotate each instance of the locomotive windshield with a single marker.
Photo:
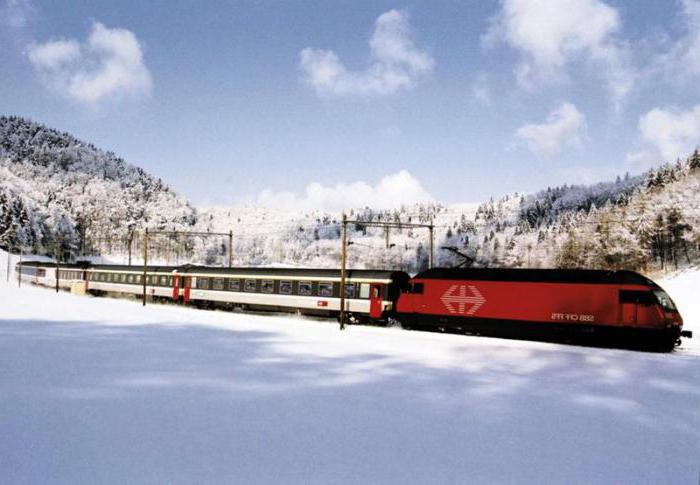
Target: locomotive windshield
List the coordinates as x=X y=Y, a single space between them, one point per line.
x=665 y=301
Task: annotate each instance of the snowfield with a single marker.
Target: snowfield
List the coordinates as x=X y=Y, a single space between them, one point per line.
x=99 y=390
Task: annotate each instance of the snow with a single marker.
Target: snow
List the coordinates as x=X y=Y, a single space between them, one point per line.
x=683 y=288
x=101 y=390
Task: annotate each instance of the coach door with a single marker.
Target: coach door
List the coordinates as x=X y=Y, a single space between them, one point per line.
x=187 y=284
x=375 y=301
x=176 y=287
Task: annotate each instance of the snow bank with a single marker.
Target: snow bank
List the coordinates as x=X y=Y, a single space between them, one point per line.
x=104 y=390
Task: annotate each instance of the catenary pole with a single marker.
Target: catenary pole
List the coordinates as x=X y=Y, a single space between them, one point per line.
x=343 y=262
x=230 y=249
x=58 y=269
x=145 y=263
x=431 y=228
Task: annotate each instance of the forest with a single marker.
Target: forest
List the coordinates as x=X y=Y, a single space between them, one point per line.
x=61 y=196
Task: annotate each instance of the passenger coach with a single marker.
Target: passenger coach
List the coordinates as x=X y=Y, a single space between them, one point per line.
x=369 y=294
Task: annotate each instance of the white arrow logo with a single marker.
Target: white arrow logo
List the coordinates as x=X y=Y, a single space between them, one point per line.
x=455 y=299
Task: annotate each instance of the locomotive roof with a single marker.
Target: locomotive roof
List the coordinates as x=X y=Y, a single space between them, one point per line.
x=590 y=276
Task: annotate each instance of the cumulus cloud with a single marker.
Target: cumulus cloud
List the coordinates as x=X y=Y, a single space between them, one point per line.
x=390 y=192
x=565 y=127
x=551 y=33
x=395 y=62
x=108 y=65
x=667 y=133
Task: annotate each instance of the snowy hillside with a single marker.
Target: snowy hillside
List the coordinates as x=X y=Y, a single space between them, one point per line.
x=649 y=223
x=55 y=189
x=58 y=191
x=104 y=390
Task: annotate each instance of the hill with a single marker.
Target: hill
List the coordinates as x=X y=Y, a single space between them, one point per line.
x=56 y=190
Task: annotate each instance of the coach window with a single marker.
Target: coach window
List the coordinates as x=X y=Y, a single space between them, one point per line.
x=163 y=281
x=218 y=283
x=234 y=285
x=203 y=283
x=305 y=288
x=286 y=287
x=250 y=286
x=325 y=289
x=364 y=290
x=349 y=291
x=122 y=277
x=268 y=286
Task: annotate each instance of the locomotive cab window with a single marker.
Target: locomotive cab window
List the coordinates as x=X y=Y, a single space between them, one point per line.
x=665 y=301
x=416 y=288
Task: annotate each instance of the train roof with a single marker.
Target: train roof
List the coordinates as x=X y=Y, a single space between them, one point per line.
x=297 y=272
x=133 y=268
x=52 y=264
x=589 y=276
x=277 y=272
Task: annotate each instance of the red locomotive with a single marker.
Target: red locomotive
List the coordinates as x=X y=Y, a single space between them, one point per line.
x=614 y=307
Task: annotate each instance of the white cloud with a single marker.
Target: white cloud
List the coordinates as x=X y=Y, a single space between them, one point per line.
x=551 y=33
x=17 y=13
x=54 y=54
x=109 y=65
x=683 y=57
x=391 y=191
x=668 y=133
x=395 y=62
x=565 y=127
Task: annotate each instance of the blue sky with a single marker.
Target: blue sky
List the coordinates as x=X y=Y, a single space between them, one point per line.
x=316 y=102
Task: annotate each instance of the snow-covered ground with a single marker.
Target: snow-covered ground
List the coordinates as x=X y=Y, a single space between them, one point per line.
x=105 y=391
